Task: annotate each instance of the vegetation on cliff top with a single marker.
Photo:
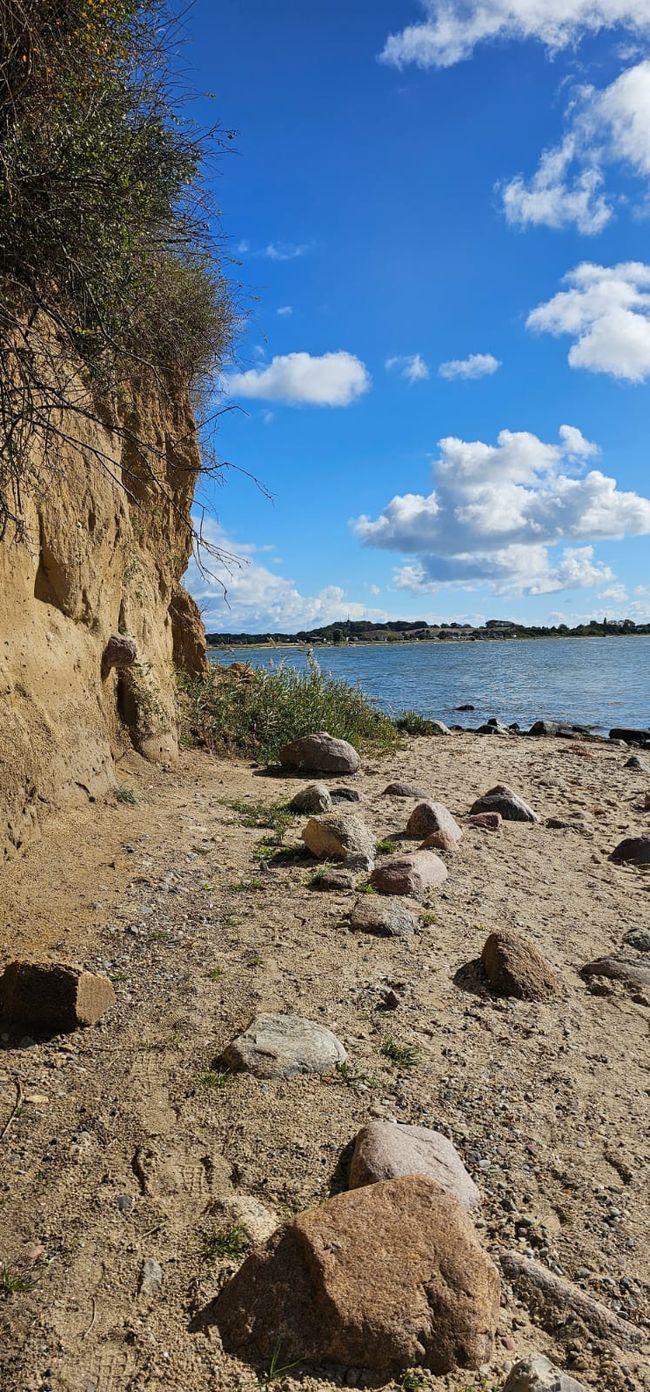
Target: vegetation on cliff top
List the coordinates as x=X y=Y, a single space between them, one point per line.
x=255 y=712
x=108 y=270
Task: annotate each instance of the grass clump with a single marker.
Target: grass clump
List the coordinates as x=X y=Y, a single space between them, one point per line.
x=259 y=715
x=411 y=1381
x=125 y=794
x=14 y=1282
x=403 y=1055
x=276 y=816
x=215 y=1079
x=386 y=846
x=232 y=1243
x=410 y=723
x=275 y=1368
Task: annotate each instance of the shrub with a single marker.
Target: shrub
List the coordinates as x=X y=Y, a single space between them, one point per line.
x=257 y=715
x=410 y=723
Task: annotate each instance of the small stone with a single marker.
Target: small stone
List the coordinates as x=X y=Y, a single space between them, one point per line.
x=124 y=1202
x=150 y=1277
x=321 y=753
x=429 y=817
x=52 y=998
x=503 y=799
x=569 y=824
x=515 y=967
x=493 y=727
x=283 y=1046
x=383 y=1151
x=638 y=938
x=634 y=850
x=382 y=1278
x=346 y=795
x=634 y=762
x=536 y=1374
x=440 y=841
x=314 y=798
x=487 y=821
x=245 y=1212
x=340 y=836
x=411 y=875
x=403 y=790
x=339 y=881
x=371 y=914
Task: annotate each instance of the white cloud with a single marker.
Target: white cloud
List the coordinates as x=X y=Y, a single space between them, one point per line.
x=298 y=379
x=413 y=368
x=496 y=510
x=606 y=311
x=452 y=29
x=476 y=365
x=605 y=127
x=285 y=311
x=257 y=599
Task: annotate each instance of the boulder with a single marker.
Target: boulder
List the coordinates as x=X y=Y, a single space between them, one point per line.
x=316 y=797
x=371 y=914
x=340 y=836
x=437 y=727
x=561 y=729
x=509 y=804
x=487 y=821
x=493 y=727
x=632 y=973
x=631 y=736
x=440 y=841
x=466 y=707
x=428 y=817
x=320 y=753
x=515 y=967
x=341 y=881
x=52 y=998
x=403 y=790
x=384 y=1150
x=384 y=1277
x=119 y=652
x=634 y=850
x=282 y=1046
x=536 y=1374
x=411 y=875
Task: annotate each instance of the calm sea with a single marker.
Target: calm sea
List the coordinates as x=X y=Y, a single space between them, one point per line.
x=592 y=681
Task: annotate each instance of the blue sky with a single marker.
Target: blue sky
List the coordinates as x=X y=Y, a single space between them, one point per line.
x=417 y=185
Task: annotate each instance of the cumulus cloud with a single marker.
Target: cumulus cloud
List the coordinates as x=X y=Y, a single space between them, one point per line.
x=413 y=368
x=257 y=599
x=298 y=379
x=606 y=311
x=452 y=29
x=498 y=513
x=605 y=127
x=285 y=311
x=476 y=365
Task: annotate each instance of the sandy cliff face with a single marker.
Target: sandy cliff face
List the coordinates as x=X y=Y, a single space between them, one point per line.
x=107 y=546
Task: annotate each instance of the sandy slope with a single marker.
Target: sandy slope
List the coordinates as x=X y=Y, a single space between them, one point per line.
x=547 y=1103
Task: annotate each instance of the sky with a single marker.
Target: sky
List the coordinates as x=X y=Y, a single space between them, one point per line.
x=438 y=215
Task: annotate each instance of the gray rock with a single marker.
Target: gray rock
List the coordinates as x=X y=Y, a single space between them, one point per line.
x=119 y=652
x=503 y=799
x=282 y=1046
x=493 y=727
x=346 y=795
x=437 y=727
x=631 y=736
x=403 y=790
x=553 y=1302
x=411 y=875
x=633 y=850
x=558 y=728
x=314 y=798
x=340 y=836
x=320 y=753
x=569 y=824
x=429 y=817
x=150 y=1277
x=638 y=938
x=338 y=881
x=384 y=1150
x=634 y=762
x=371 y=914
x=634 y=974
x=536 y=1374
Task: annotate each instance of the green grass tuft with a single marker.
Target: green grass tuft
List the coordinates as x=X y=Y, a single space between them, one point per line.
x=14 y=1282
x=404 y=1055
x=125 y=794
x=386 y=846
x=232 y=1243
x=410 y=723
x=215 y=1078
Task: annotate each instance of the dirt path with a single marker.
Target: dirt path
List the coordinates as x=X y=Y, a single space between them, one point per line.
x=127 y=1136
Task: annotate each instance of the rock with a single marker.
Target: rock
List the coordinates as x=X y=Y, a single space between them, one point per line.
x=502 y=799
x=634 y=850
x=493 y=727
x=52 y=998
x=119 y=652
x=561 y=729
x=384 y=1277
x=555 y=1302
x=631 y=973
x=411 y=875
x=438 y=727
x=282 y=1046
x=346 y=795
x=631 y=736
x=339 y=881
x=245 y=1212
x=514 y=967
x=569 y=824
x=634 y=762
x=466 y=707
x=314 y=798
x=536 y=1374
x=638 y=938
x=403 y=790
x=320 y=753
x=428 y=817
x=440 y=841
x=341 y=836
x=150 y=1277
x=488 y=821
x=381 y=917
x=383 y=1150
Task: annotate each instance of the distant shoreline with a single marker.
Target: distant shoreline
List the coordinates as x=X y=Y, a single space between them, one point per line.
x=416 y=642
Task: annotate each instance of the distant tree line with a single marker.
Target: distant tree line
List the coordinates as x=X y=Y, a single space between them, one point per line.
x=405 y=630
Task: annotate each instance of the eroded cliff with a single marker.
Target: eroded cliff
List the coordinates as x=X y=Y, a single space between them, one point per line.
x=108 y=541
